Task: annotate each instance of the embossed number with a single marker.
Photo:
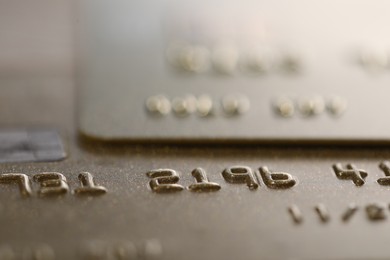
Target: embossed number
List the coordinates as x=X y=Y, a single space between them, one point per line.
x=240 y=174
x=51 y=183
x=375 y=212
x=202 y=183
x=276 y=180
x=350 y=173
x=164 y=180
x=88 y=186
x=385 y=167
x=21 y=179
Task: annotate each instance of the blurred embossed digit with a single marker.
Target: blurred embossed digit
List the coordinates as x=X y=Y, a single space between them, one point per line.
x=164 y=180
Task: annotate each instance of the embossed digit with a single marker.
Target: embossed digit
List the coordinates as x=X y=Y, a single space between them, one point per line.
x=385 y=167
x=51 y=183
x=240 y=174
x=277 y=180
x=202 y=183
x=352 y=208
x=88 y=186
x=296 y=214
x=322 y=212
x=350 y=173
x=164 y=180
x=19 y=178
x=375 y=212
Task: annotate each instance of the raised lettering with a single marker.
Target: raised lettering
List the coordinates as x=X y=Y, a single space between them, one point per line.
x=385 y=167
x=350 y=173
x=322 y=212
x=352 y=208
x=88 y=186
x=240 y=174
x=276 y=180
x=51 y=183
x=296 y=214
x=375 y=212
x=202 y=183
x=19 y=178
x=164 y=180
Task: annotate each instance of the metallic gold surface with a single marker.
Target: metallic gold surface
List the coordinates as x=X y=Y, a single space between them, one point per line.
x=130 y=221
